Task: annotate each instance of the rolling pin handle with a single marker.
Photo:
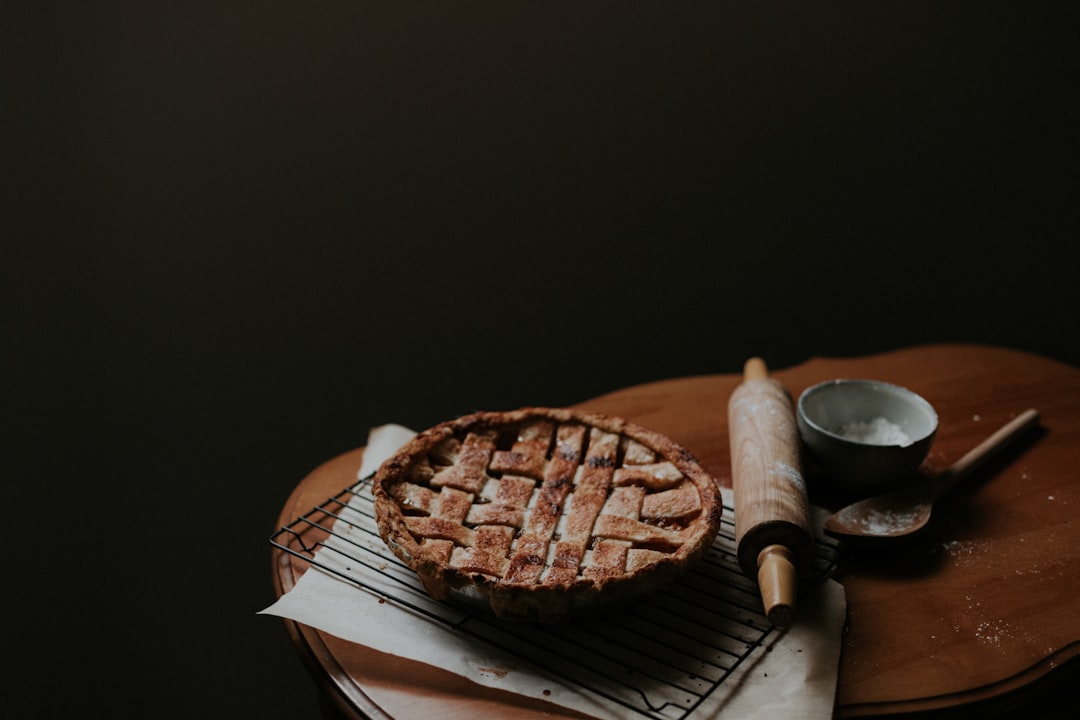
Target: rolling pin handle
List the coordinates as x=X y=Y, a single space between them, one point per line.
x=778 y=582
x=755 y=369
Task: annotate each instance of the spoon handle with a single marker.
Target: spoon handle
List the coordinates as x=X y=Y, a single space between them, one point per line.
x=985 y=450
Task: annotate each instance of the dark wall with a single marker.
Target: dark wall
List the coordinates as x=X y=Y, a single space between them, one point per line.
x=237 y=235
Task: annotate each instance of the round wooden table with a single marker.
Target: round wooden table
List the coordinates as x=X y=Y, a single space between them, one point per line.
x=979 y=617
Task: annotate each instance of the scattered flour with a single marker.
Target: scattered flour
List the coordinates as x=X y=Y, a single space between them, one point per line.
x=876 y=431
x=963 y=552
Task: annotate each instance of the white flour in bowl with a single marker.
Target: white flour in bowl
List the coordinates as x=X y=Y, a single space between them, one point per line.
x=876 y=431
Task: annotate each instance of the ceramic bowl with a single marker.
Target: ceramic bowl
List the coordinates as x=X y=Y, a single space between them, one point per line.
x=866 y=436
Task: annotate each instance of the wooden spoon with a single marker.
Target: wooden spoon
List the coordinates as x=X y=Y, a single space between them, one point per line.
x=903 y=512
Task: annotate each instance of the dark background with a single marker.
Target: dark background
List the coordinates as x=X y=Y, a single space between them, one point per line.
x=236 y=235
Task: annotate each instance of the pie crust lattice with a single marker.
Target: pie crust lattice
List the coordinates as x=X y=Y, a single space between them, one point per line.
x=545 y=512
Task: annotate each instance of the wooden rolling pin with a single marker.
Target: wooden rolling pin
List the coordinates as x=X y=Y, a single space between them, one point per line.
x=772 y=514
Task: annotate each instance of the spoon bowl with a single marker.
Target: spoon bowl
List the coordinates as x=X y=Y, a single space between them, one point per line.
x=897 y=514
x=904 y=512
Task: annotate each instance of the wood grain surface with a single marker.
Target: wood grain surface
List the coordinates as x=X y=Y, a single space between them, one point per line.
x=968 y=617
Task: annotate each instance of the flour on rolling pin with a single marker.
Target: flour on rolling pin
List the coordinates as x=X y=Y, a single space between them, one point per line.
x=772 y=514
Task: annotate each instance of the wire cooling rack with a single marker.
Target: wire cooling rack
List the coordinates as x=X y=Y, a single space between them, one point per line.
x=681 y=644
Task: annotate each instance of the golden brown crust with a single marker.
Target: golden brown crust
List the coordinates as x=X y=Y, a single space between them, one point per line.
x=545 y=512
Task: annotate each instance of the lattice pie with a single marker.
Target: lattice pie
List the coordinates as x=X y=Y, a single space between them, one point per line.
x=545 y=512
